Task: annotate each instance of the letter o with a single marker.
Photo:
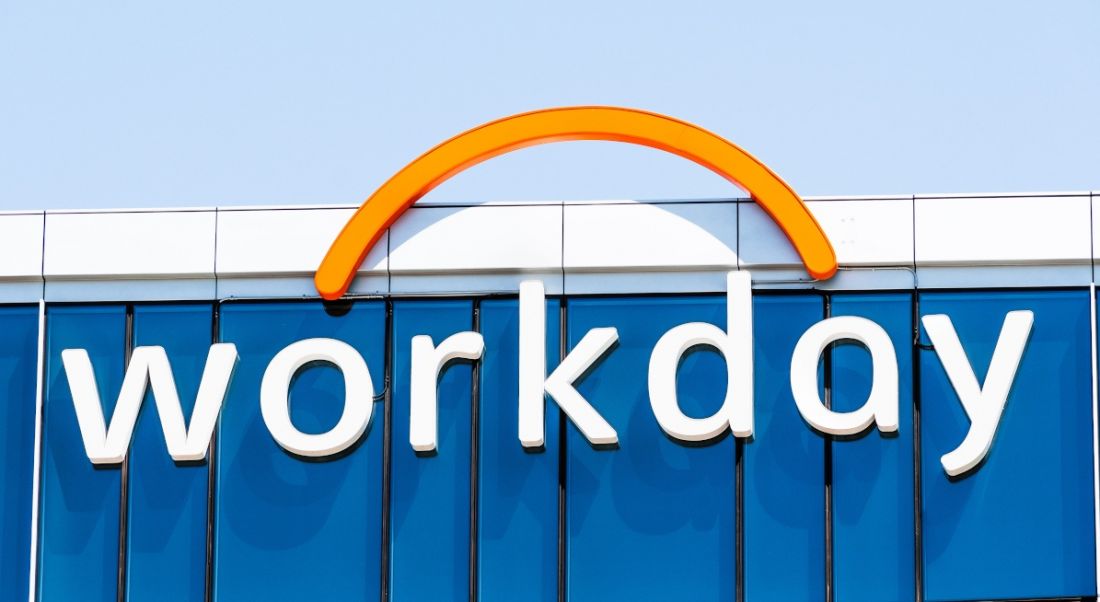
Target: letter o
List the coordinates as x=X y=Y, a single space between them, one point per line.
x=358 y=397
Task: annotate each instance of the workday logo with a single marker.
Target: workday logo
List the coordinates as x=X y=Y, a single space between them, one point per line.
x=612 y=124
x=150 y=368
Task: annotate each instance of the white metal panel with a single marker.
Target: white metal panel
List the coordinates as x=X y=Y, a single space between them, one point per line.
x=846 y=279
x=638 y=236
x=863 y=233
x=144 y=245
x=1003 y=276
x=1013 y=241
x=234 y=287
x=636 y=282
x=872 y=237
x=575 y=247
x=131 y=289
x=275 y=252
x=646 y=247
x=274 y=242
x=1001 y=195
x=21 y=256
x=429 y=284
x=20 y=291
x=855 y=197
x=21 y=246
x=475 y=249
x=762 y=245
x=483 y=238
x=868 y=232
x=1095 y=207
x=1003 y=231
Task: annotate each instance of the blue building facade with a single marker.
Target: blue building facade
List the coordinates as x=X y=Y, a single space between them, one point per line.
x=788 y=514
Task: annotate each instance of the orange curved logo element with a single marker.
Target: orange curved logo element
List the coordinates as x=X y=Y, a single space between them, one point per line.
x=612 y=124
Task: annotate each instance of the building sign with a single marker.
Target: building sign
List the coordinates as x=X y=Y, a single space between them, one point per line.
x=705 y=423
x=149 y=368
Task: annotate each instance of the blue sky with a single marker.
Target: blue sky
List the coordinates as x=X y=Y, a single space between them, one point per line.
x=149 y=104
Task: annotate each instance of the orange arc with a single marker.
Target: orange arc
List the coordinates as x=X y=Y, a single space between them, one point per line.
x=613 y=124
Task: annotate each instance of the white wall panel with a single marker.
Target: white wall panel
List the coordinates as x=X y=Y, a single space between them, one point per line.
x=575 y=247
x=134 y=289
x=475 y=249
x=641 y=247
x=284 y=241
x=1003 y=231
x=868 y=232
x=21 y=246
x=21 y=256
x=129 y=256
x=762 y=244
x=637 y=235
x=275 y=252
x=1035 y=241
x=1095 y=207
x=873 y=240
x=129 y=245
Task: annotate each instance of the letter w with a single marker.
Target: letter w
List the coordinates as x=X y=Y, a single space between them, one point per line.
x=148 y=366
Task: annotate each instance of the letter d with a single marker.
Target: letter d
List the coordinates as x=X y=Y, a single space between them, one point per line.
x=735 y=345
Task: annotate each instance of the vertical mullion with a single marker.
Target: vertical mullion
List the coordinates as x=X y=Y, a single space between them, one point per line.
x=827 y=359
x=1095 y=431
x=387 y=456
x=739 y=472
x=918 y=541
x=211 y=471
x=918 y=535
x=739 y=489
x=124 y=477
x=563 y=348
x=39 y=425
x=739 y=519
x=475 y=404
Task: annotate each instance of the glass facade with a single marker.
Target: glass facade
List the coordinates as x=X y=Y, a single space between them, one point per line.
x=19 y=373
x=789 y=514
x=287 y=528
x=1021 y=526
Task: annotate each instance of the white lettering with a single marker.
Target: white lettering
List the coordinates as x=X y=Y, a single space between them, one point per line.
x=148 y=368
x=983 y=405
x=358 y=397
x=427 y=362
x=534 y=384
x=150 y=371
x=881 y=406
x=735 y=345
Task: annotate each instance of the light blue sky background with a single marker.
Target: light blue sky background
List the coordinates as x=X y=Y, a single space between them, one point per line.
x=170 y=103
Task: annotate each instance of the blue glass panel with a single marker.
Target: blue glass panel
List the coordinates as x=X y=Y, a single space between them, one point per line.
x=166 y=531
x=518 y=490
x=288 y=528
x=654 y=519
x=430 y=495
x=19 y=373
x=873 y=475
x=784 y=465
x=79 y=529
x=1021 y=524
